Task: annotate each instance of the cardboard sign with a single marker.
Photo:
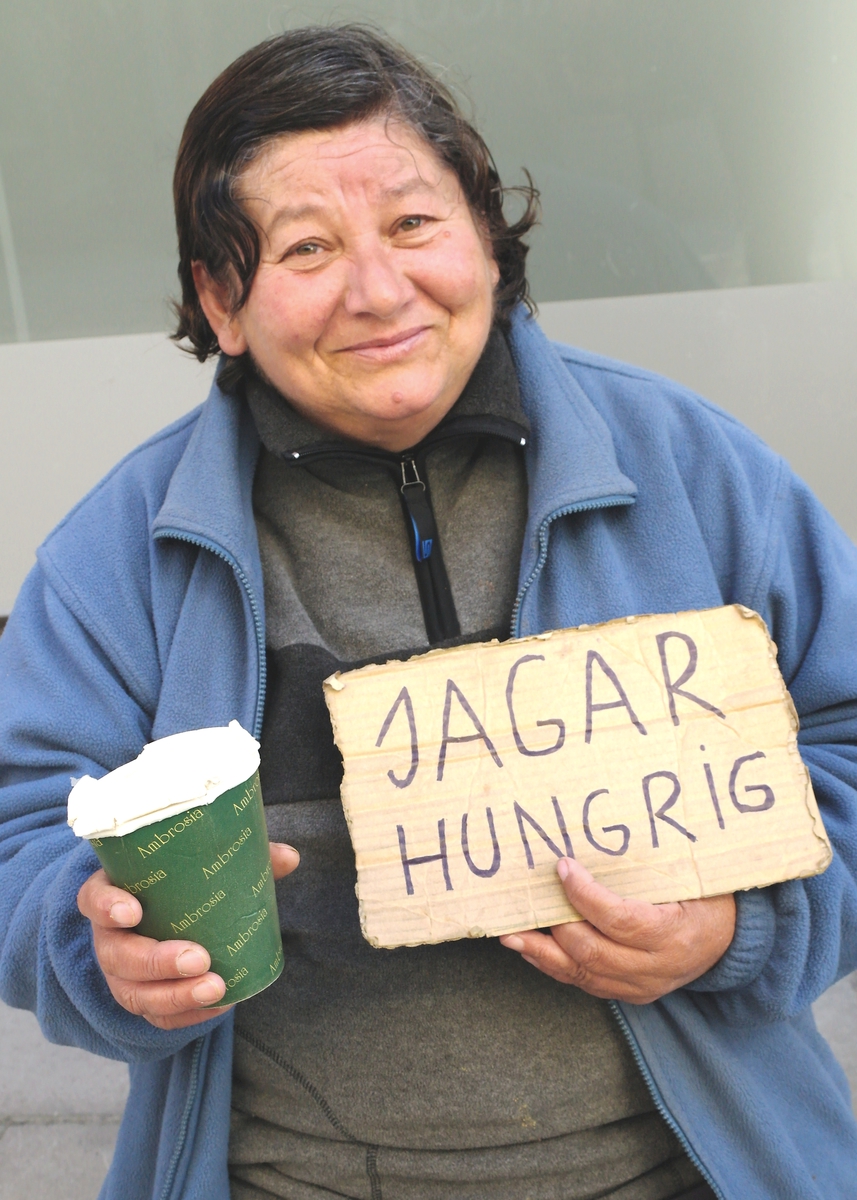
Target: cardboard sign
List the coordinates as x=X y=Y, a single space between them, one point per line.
x=660 y=751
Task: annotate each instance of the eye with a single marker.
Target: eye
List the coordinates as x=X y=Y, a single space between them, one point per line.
x=306 y=249
x=411 y=223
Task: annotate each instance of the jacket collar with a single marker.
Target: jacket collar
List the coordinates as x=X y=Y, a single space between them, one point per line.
x=210 y=496
x=571 y=460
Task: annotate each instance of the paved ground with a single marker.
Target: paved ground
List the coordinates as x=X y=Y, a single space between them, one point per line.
x=59 y=1113
x=60 y=1108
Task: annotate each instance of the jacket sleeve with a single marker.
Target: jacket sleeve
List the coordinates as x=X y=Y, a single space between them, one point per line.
x=795 y=939
x=69 y=706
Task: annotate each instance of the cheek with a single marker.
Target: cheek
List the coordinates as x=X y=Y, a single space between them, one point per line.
x=458 y=274
x=291 y=311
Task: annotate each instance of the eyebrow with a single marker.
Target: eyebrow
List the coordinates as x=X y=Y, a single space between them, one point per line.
x=409 y=187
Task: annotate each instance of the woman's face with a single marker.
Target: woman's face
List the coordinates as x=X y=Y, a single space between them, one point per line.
x=374 y=295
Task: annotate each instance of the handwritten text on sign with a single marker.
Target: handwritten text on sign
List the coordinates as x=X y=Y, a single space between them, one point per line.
x=661 y=751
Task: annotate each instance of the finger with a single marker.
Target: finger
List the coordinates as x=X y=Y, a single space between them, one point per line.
x=167 y=1001
x=544 y=952
x=548 y=956
x=182 y=1020
x=108 y=906
x=629 y=922
x=539 y=949
x=284 y=859
x=579 y=951
x=598 y=952
x=134 y=958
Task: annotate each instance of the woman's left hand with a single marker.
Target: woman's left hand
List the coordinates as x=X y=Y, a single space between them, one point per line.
x=628 y=949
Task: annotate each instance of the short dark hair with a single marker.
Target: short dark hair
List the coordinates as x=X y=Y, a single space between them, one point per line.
x=311 y=79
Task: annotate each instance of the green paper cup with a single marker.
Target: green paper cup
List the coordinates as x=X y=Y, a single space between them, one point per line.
x=202 y=873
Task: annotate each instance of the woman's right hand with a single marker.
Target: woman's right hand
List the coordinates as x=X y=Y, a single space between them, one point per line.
x=167 y=983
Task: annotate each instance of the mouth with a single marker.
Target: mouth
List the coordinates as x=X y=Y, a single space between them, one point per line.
x=386 y=348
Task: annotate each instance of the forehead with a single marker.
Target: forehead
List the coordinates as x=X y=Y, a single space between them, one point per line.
x=382 y=156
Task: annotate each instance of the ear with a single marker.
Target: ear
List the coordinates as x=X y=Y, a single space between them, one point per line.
x=215 y=302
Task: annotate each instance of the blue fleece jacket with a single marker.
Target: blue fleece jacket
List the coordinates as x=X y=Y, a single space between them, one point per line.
x=144 y=617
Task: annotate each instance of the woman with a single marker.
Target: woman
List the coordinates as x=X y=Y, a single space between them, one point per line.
x=393 y=457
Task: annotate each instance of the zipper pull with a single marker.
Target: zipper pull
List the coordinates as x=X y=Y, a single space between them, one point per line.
x=419 y=510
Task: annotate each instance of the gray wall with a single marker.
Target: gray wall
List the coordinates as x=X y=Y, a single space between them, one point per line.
x=68 y=411
x=781 y=358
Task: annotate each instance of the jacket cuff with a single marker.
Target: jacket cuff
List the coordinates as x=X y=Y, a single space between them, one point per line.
x=750 y=949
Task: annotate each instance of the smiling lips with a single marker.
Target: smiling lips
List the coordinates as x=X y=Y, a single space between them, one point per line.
x=386 y=349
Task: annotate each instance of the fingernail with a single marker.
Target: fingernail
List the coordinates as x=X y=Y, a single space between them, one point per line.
x=122 y=913
x=562 y=869
x=512 y=942
x=191 y=962
x=207 y=992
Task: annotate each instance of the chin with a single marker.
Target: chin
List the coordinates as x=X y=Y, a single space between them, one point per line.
x=402 y=413
x=411 y=406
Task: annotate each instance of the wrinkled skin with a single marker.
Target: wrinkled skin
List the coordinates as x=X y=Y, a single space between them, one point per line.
x=628 y=949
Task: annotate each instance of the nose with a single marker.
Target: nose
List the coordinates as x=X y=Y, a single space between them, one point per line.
x=377 y=284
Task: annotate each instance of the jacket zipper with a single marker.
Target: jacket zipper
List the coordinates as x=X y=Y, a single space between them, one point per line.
x=583 y=506
x=205 y=544
x=240 y=575
x=423 y=525
x=658 y=1099
x=436 y=599
x=193 y=1087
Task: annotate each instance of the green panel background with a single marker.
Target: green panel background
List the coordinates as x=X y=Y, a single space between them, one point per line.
x=679 y=144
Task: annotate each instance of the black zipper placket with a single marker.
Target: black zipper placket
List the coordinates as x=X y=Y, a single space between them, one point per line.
x=627 y=1032
x=438 y=605
x=436 y=599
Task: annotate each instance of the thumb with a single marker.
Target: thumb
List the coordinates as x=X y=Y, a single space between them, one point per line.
x=284 y=859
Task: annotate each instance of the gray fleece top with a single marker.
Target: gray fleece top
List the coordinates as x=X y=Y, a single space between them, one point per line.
x=433 y=1072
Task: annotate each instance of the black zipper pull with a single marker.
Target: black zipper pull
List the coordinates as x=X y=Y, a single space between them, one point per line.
x=432 y=580
x=419 y=510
